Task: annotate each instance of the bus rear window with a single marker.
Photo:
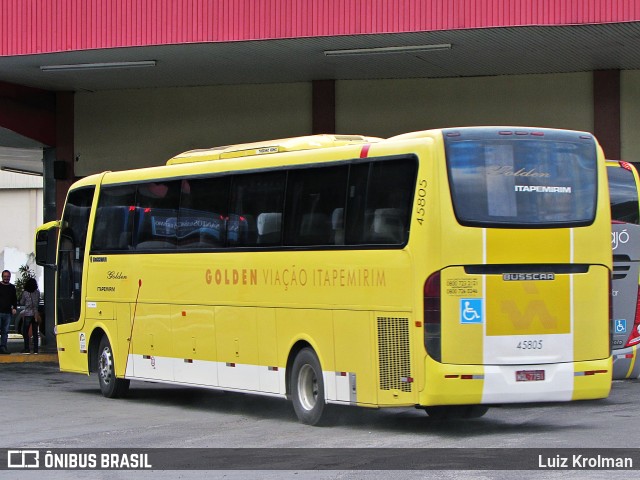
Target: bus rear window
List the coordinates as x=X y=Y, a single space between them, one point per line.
x=624 y=195
x=522 y=180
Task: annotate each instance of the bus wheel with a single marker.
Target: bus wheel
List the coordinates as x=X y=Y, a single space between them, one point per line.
x=452 y=412
x=307 y=387
x=110 y=386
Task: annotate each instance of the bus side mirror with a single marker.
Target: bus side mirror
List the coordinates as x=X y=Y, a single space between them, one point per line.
x=46 y=242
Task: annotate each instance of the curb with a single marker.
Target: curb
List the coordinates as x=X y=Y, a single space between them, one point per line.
x=22 y=358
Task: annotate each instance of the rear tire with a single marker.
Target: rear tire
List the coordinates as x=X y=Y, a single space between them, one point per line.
x=110 y=386
x=307 y=387
x=453 y=412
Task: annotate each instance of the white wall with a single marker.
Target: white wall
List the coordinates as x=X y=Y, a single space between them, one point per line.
x=630 y=115
x=21 y=197
x=390 y=107
x=116 y=130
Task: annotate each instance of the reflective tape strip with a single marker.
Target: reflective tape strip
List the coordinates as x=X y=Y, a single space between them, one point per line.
x=633 y=361
x=466 y=377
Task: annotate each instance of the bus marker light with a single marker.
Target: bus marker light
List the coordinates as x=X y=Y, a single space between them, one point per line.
x=231 y=364
x=451 y=376
x=626 y=166
x=184 y=314
x=466 y=377
x=273 y=369
x=188 y=360
x=418 y=324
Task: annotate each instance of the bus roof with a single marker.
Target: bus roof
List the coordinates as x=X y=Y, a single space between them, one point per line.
x=270 y=146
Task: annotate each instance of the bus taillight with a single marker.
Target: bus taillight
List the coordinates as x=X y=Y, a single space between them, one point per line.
x=432 y=317
x=634 y=336
x=626 y=166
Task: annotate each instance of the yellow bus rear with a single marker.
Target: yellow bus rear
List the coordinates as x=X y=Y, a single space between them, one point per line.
x=516 y=268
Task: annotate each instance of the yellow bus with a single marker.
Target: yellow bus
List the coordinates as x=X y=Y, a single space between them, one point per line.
x=449 y=270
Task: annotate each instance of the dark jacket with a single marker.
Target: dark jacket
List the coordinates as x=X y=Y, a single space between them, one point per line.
x=8 y=297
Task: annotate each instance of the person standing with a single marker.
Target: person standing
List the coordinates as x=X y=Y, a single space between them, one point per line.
x=8 y=306
x=30 y=299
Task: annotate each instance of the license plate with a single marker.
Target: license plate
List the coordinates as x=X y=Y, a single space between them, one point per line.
x=529 y=375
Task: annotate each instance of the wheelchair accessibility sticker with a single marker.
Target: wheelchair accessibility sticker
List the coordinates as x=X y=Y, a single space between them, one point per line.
x=470 y=310
x=620 y=326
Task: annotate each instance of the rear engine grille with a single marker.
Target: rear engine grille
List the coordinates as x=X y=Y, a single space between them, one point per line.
x=393 y=353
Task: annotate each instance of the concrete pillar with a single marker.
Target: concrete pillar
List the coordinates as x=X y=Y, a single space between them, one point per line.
x=606 y=111
x=323 y=106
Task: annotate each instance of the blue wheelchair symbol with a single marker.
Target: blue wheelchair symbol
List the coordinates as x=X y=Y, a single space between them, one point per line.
x=620 y=326
x=470 y=310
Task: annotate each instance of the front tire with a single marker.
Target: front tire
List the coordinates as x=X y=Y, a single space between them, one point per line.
x=307 y=387
x=110 y=386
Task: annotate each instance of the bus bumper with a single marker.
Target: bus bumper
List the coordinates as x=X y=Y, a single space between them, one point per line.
x=625 y=364
x=448 y=384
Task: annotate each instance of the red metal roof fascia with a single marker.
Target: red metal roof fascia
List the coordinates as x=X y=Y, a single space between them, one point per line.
x=36 y=26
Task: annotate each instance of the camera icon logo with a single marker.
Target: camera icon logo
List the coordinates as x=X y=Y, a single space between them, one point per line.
x=23 y=459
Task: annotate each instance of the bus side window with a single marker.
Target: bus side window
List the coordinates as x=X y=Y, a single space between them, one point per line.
x=379 y=201
x=114 y=219
x=111 y=232
x=203 y=216
x=251 y=195
x=157 y=215
x=313 y=195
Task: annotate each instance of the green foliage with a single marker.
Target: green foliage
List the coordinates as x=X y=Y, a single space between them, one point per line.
x=24 y=274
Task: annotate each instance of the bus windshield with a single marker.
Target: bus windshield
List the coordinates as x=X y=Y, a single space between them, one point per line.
x=521 y=180
x=624 y=195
